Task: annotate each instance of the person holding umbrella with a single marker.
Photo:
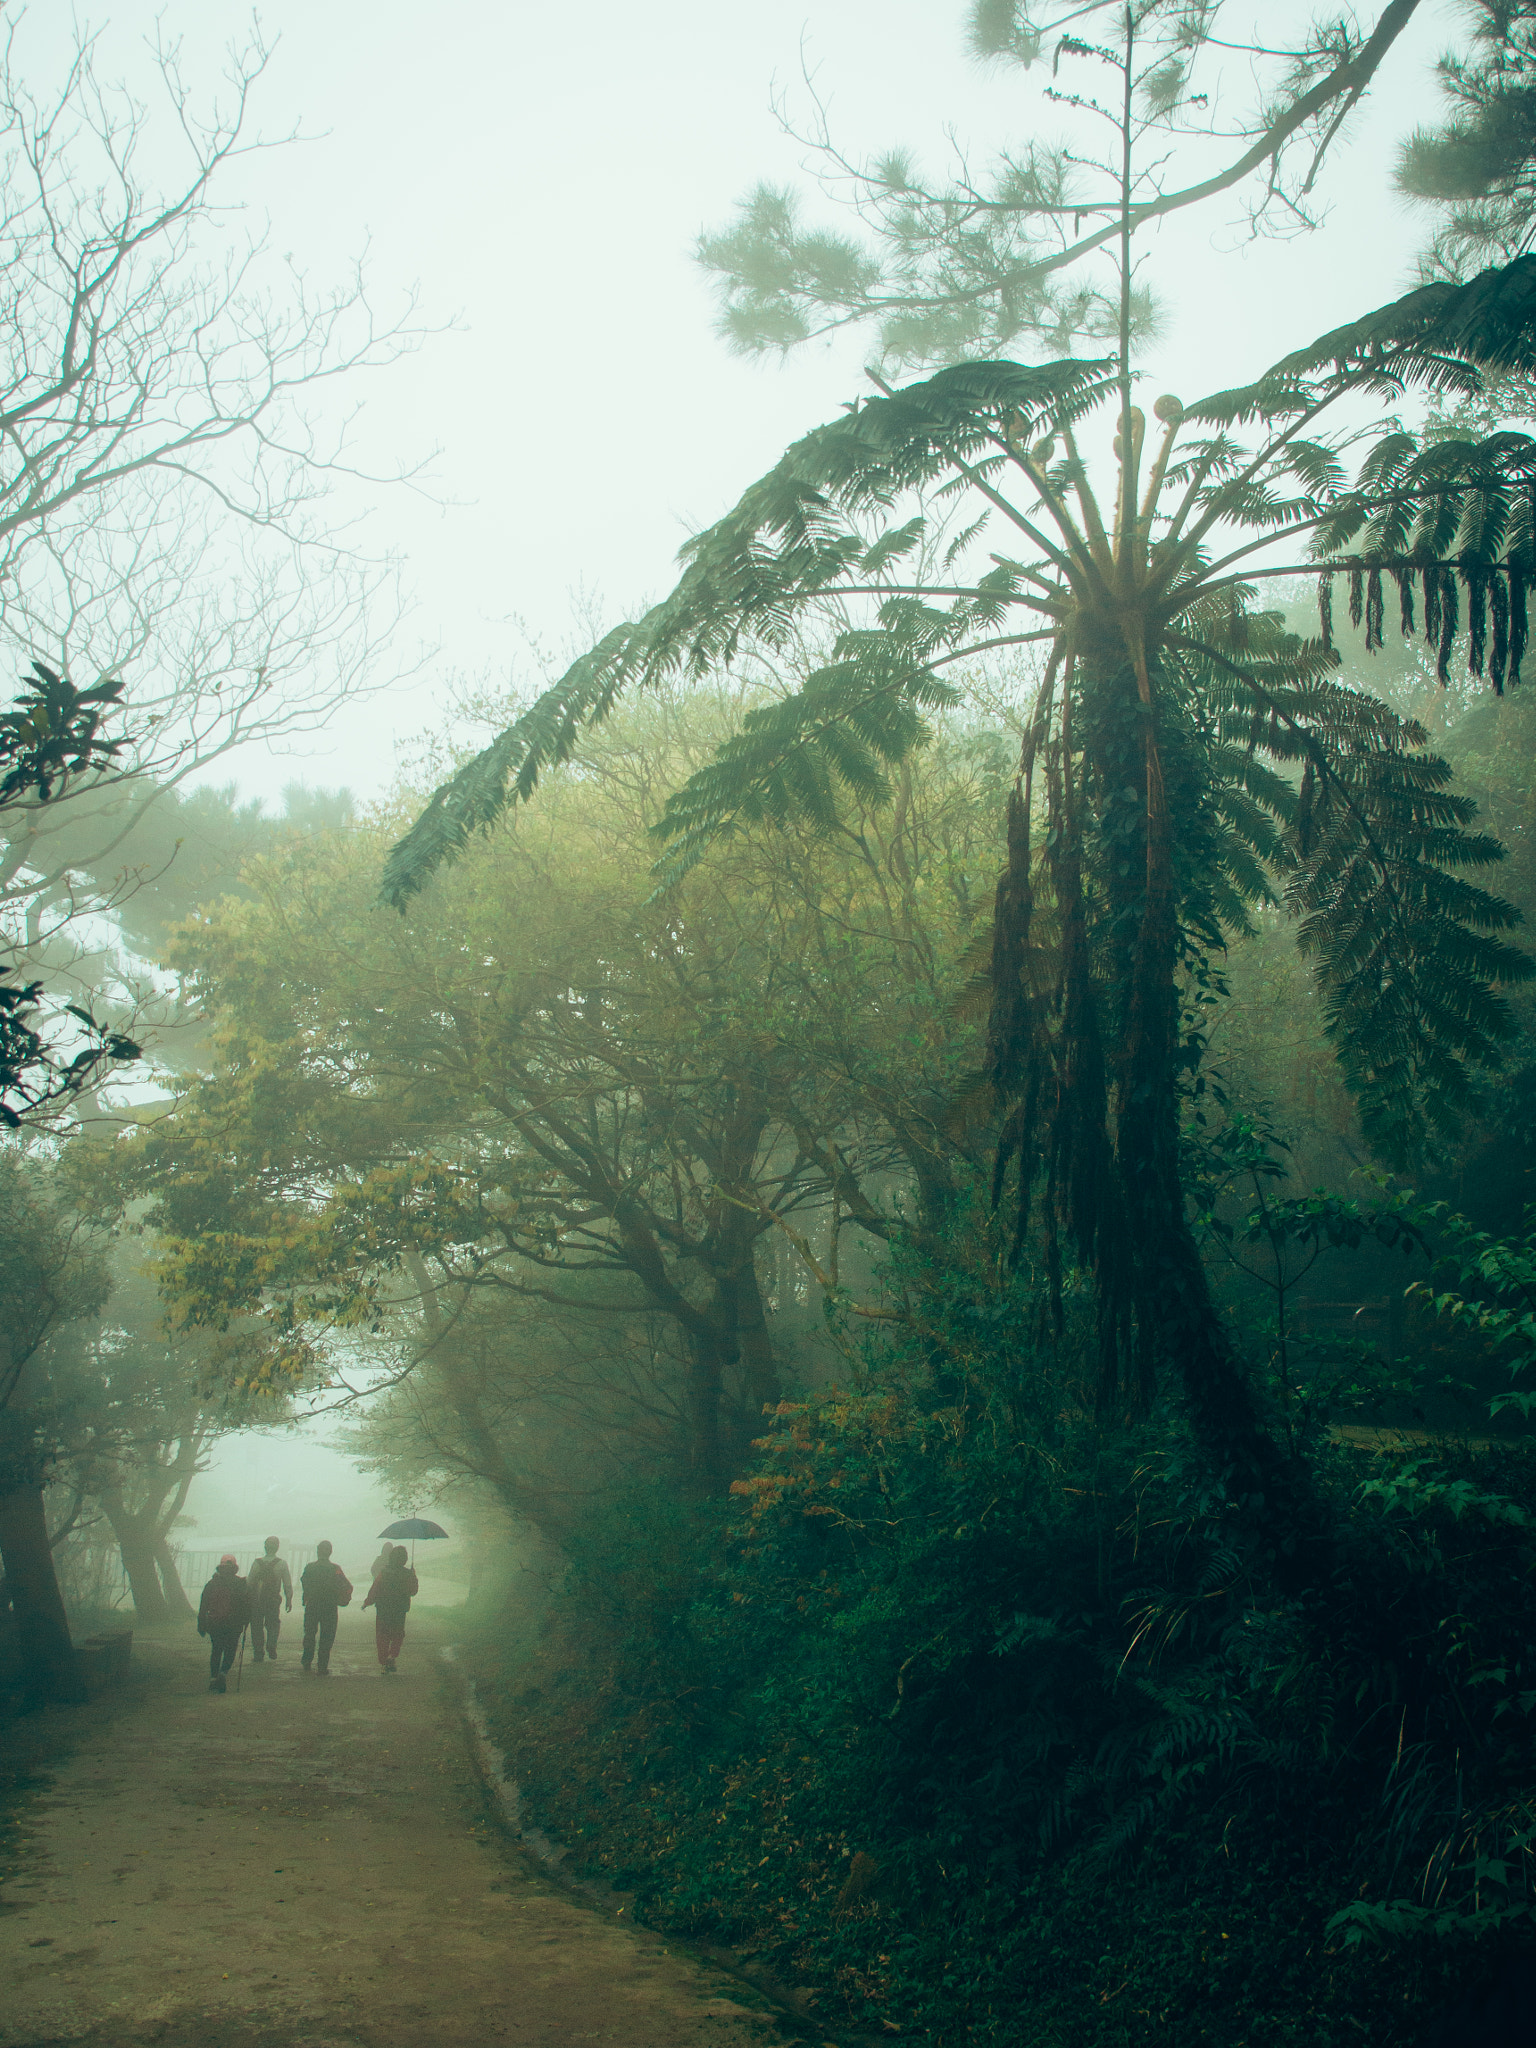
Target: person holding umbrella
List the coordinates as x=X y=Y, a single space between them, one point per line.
x=418 y=1529
x=390 y=1598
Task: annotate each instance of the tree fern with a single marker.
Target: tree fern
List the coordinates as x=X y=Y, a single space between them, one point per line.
x=1186 y=759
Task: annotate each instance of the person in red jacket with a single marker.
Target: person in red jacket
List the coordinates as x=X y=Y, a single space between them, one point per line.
x=222 y=1615
x=324 y=1587
x=390 y=1597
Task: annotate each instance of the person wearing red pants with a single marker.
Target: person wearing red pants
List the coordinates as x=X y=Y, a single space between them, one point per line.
x=390 y=1598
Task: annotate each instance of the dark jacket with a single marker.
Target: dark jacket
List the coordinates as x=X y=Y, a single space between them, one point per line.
x=225 y=1607
x=391 y=1594
x=324 y=1584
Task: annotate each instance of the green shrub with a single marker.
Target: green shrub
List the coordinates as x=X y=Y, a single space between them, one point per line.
x=990 y=1721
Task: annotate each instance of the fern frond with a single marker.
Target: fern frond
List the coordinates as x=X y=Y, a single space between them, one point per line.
x=789 y=542
x=506 y=771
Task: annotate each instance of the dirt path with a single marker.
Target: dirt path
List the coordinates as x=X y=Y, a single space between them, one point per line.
x=308 y=1862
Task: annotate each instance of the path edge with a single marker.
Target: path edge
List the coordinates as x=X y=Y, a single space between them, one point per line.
x=506 y=1802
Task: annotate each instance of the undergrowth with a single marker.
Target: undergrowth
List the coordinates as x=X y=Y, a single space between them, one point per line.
x=990 y=1725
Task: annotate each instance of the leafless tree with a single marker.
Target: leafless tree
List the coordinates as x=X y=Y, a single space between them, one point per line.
x=169 y=457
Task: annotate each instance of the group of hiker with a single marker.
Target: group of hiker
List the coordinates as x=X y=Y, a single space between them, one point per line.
x=232 y=1604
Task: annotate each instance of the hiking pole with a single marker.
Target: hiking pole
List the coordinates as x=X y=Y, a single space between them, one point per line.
x=240 y=1667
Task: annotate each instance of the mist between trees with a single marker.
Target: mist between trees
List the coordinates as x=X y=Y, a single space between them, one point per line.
x=163 y=512
x=933 y=1139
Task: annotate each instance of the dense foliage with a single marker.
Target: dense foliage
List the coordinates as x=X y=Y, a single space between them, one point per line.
x=971 y=1713
x=958 y=1695
x=938 y=1132
x=1078 y=1621
x=560 y=1102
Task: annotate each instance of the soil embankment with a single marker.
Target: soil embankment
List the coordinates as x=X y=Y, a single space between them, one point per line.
x=309 y=1862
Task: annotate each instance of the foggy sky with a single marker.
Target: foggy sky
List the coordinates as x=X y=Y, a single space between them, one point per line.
x=296 y=1485
x=541 y=173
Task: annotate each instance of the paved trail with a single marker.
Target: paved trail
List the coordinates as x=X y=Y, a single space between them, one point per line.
x=306 y=1862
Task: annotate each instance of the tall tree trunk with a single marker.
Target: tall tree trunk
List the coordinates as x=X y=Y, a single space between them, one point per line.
x=760 y=1368
x=703 y=1398
x=136 y=1541
x=144 y=1581
x=178 y=1606
x=48 y=1664
x=162 y=1514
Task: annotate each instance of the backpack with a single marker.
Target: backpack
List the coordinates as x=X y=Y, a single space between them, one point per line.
x=391 y=1595
x=263 y=1579
x=323 y=1582
x=218 y=1601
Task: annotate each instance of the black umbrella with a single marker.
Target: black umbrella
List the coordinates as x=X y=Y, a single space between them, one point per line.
x=414 y=1526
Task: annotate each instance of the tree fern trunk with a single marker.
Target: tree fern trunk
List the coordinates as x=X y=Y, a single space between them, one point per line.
x=1125 y=811
x=1176 y=1316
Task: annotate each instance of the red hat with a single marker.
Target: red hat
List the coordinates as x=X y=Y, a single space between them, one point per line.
x=229 y=1558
